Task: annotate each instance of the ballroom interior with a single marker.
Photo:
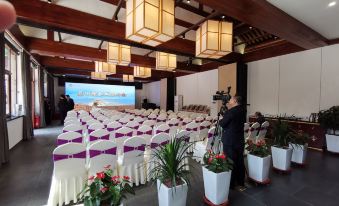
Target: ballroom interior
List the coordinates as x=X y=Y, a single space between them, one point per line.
x=96 y=93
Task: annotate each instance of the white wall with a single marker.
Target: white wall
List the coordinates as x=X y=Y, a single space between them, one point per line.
x=299 y=83
x=152 y=92
x=198 y=88
x=15 y=131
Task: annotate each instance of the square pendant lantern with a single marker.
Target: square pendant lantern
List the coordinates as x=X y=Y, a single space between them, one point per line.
x=118 y=54
x=214 y=39
x=166 y=61
x=127 y=78
x=104 y=67
x=150 y=22
x=98 y=76
x=142 y=72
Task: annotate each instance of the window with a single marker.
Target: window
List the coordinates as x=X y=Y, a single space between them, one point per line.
x=7 y=87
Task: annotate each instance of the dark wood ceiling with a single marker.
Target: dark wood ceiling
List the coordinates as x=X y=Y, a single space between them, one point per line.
x=263 y=29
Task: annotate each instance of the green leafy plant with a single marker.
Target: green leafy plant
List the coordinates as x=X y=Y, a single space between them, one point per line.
x=259 y=148
x=329 y=119
x=105 y=189
x=170 y=163
x=300 y=137
x=217 y=163
x=281 y=134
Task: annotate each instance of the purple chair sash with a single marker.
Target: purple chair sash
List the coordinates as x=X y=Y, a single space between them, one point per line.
x=263 y=128
x=155 y=145
x=210 y=135
x=246 y=130
x=192 y=129
x=93 y=138
x=112 y=129
x=64 y=141
x=83 y=123
x=80 y=155
x=152 y=118
x=118 y=135
x=184 y=123
x=161 y=120
x=159 y=131
x=128 y=148
x=94 y=153
x=172 y=125
x=136 y=127
x=203 y=127
x=90 y=130
x=78 y=131
x=149 y=132
x=251 y=129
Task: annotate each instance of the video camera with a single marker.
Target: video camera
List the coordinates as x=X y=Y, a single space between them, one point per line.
x=224 y=97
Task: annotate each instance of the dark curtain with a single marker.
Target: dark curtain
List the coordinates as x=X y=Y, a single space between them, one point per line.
x=50 y=92
x=27 y=93
x=4 y=147
x=41 y=97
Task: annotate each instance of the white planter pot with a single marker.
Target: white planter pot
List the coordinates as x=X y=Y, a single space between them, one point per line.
x=332 y=142
x=299 y=153
x=336 y=132
x=172 y=196
x=281 y=158
x=216 y=186
x=259 y=167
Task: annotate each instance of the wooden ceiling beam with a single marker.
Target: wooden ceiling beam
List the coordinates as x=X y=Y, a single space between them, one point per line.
x=265 y=16
x=52 y=48
x=51 y=16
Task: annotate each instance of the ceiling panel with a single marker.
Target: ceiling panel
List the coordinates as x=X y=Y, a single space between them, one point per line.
x=33 y=32
x=314 y=13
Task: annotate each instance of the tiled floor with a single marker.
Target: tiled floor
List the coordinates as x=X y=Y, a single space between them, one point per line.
x=25 y=181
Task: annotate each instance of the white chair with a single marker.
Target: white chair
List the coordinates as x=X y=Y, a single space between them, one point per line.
x=67 y=137
x=172 y=115
x=112 y=127
x=157 y=141
x=107 y=121
x=73 y=128
x=101 y=118
x=246 y=130
x=72 y=113
x=124 y=120
x=263 y=131
x=192 y=128
x=253 y=132
x=99 y=134
x=202 y=147
x=185 y=121
x=121 y=135
x=69 y=174
x=68 y=119
x=184 y=135
x=95 y=126
x=139 y=119
x=72 y=122
x=101 y=154
x=133 y=125
x=203 y=130
x=209 y=118
x=146 y=132
x=132 y=160
x=199 y=119
x=174 y=125
x=150 y=123
x=162 y=128
x=115 y=117
x=152 y=116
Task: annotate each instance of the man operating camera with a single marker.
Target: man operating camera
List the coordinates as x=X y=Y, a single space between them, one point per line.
x=233 y=138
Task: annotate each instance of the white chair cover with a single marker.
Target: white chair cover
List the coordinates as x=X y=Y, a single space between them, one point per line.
x=209 y=118
x=263 y=130
x=121 y=135
x=124 y=120
x=133 y=125
x=185 y=121
x=162 y=128
x=99 y=134
x=253 y=132
x=69 y=174
x=101 y=154
x=67 y=137
x=132 y=160
x=139 y=119
x=203 y=130
x=202 y=147
x=112 y=128
x=73 y=128
x=72 y=122
x=152 y=116
x=246 y=130
x=95 y=126
x=174 y=125
x=192 y=128
x=146 y=132
x=67 y=119
x=199 y=119
x=150 y=123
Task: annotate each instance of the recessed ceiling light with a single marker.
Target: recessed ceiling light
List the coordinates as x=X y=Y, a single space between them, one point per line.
x=188 y=1
x=333 y=3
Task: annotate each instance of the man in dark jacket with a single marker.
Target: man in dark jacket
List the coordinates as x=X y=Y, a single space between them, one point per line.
x=233 y=138
x=70 y=103
x=63 y=108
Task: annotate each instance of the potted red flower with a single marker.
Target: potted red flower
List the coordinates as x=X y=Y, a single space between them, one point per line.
x=217 y=171
x=105 y=189
x=259 y=161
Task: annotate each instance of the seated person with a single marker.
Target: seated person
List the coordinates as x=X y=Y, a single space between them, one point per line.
x=259 y=117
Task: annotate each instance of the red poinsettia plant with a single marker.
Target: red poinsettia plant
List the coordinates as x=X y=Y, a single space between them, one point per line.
x=259 y=148
x=217 y=163
x=105 y=189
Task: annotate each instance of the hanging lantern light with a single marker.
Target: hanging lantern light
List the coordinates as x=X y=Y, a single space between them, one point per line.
x=98 y=75
x=118 y=54
x=214 y=39
x=165 y=61
x=150 y=22
x=104 y=67
x=127 y=78
x=142 y=72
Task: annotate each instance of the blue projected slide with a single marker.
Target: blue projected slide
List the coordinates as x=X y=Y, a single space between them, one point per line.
x=101 y=95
